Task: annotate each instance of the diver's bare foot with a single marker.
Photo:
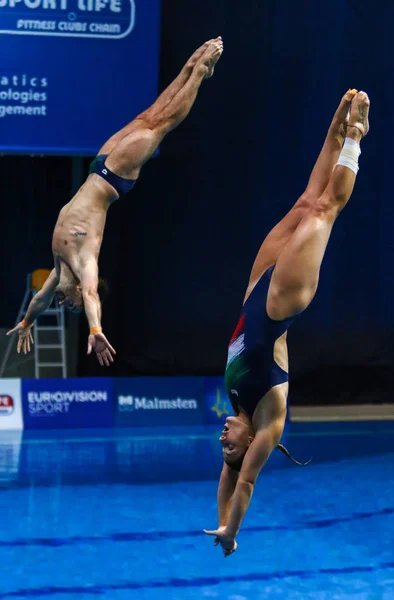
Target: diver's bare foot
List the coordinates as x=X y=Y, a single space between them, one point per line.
x=358 y=125
x=198 y=54
x=211 y=56
x=341 y=117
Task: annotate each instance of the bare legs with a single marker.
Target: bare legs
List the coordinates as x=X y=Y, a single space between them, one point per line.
x=331 y=149
x=296 y=275
x=130 y=148
x=279 y=236
x=162 y=101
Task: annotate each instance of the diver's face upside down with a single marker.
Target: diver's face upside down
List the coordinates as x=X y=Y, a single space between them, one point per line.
x=235 y=440
x=70 y=296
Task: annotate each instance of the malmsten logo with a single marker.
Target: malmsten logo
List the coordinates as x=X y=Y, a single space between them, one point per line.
x=129 y=403
x=7 y=406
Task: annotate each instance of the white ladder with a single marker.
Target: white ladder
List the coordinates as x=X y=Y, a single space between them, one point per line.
x=40 y=332
x=40 y=343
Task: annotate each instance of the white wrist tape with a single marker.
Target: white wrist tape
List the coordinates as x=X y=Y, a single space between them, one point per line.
x=349 y=155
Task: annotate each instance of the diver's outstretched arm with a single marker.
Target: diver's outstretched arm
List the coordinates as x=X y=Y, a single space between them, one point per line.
x=227 y=485
x=38 y=304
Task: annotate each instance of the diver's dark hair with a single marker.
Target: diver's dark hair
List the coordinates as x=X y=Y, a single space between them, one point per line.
x=236 y=465
x=287 y=453
x=102 y=289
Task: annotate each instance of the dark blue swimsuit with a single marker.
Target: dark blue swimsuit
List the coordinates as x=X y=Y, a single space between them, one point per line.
x=251 y=370
x=121 y=185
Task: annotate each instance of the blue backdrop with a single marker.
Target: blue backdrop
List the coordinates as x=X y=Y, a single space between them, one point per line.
x=74 y=71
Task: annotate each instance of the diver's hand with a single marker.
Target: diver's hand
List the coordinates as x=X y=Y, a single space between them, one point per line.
x=25 y=336
x=227 y=542
x=216 y=533
x=102 y=348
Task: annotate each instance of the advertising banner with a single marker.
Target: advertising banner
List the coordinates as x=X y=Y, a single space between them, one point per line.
x=155 y=401
x=67 y=403
x=73 y=72
x=10 y=404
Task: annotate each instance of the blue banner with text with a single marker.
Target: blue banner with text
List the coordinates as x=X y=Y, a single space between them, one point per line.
x=73 y=72
x=123 y=402
x=67 y=403
x=156 y=401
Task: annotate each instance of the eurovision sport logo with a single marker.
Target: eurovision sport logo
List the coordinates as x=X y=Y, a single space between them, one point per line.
x=59 y=402
x=53 y=403
x=68 y=18
x=7 y=405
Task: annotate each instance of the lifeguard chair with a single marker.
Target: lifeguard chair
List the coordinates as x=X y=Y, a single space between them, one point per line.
x=48 y=332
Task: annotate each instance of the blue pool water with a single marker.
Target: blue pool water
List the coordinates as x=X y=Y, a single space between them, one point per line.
x=120 y=516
